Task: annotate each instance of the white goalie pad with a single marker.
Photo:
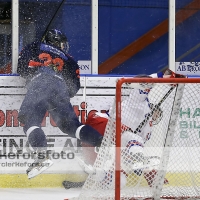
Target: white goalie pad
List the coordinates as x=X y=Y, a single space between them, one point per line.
x=151 y=163
x=132 y=152
x=133 y=143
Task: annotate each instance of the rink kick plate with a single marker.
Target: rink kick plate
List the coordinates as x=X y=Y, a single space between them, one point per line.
x=41 y=181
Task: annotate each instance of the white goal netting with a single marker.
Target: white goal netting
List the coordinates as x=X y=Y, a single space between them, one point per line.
x=159 y=159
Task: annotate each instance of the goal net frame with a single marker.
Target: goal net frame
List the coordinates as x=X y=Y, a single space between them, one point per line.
x=173 y=96
x=161 y=174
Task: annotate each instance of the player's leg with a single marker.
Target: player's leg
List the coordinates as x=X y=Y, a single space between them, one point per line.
x=104 y=174
x=32 y=118
x=98 y=121
x=65 y=118
x=32 y=112
x=132 y=152
x=38 y=145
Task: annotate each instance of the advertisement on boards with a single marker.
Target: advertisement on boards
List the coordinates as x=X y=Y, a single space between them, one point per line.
x=188 y=68
x=85 y=66
x=95 y=94
x=15 y=154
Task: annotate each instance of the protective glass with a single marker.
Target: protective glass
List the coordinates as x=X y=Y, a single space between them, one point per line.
x=64 y=46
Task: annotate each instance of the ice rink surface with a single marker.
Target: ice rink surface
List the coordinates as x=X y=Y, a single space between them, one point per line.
x=38 y=194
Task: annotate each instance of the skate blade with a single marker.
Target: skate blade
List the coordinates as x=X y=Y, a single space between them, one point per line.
x=88 y=169
x=38 y=170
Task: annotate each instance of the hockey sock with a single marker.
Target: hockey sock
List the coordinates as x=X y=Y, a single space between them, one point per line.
x=36 y=138
x=89 y=135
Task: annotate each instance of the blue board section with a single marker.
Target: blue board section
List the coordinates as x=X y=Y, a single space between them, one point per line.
x=121 y=23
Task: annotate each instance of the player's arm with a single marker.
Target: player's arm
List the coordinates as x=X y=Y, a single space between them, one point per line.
x=72 y=76
x=167 y=74
x=25 y=56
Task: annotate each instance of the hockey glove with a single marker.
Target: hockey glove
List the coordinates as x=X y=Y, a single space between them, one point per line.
x=170 y=74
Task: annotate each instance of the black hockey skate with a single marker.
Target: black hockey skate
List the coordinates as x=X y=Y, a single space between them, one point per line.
x=41 y=163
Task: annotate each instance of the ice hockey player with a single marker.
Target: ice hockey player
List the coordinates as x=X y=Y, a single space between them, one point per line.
x=52 y=78
x=132 y=155
x=99 y=121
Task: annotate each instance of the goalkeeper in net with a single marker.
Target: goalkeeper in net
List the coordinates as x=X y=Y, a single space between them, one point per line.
x=132 y=141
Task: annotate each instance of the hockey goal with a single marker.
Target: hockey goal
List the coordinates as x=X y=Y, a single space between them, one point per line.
x=163 y=163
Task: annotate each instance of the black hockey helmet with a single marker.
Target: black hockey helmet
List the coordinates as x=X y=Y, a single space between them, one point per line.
x=56 y=38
